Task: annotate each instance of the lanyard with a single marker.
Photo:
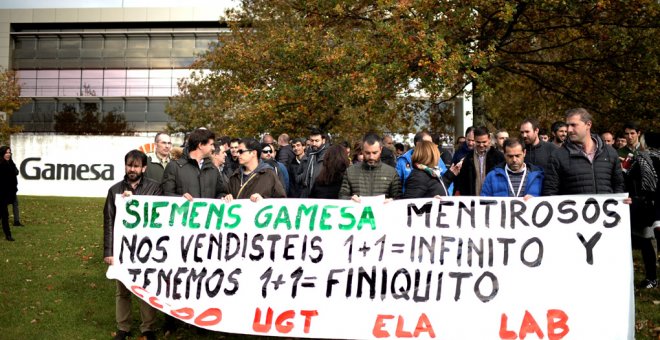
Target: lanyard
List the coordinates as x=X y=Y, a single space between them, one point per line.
x=522 y=181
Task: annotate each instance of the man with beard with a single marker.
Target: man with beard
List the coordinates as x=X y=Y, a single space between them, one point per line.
x=298 y=147
x=231 y=162
x=134 y=183
x=537 y=152
x=371 y=177
x=310 y=166
x=558 y=133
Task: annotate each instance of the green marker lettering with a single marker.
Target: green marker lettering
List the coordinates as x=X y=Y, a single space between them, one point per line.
x=128 y=206
x=267 y=214
x=367 y=217
x=311 y=210
x=349 y=217
x=235 y=216
x=194 y=214
x=218 y=211
x=282 y=217
x=324 y=216
x=179 y=209
x=155 y=214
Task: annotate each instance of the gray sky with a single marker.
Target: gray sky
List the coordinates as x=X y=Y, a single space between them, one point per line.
x=114 y=3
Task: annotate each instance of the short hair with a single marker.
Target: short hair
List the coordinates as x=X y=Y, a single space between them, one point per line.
x=371 y=139
x=631 y=126
x=543 y=131
x=283 y=138
x=469 y=129
x=199 y=136
x=158 y=135
x=419 y=136
x=426 y=153
x=135 y=155
x=610 y=132
x=399 y=146
x=235 y=140
x=252 y=144
x=218 y=147
x=316 y=132
x=298 y=140
x=512 y=142
x=268 y=145
x=585 y=116
x=480 y=131
x=435 y=138
x=500 y=131
x=533 y=121
x=225 y=140
x=557 y=125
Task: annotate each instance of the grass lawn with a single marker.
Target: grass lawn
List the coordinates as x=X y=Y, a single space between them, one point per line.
x=53 y=285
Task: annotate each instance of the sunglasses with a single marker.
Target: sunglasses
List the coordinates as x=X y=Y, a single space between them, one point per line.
x=267 y=151
x=240 y=152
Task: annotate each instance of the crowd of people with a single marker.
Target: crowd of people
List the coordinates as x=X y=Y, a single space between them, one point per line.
x=573 y=159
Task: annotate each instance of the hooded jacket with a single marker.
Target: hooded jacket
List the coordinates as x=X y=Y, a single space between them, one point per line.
x=262 y=180
x=497 y=185
x=570 y=172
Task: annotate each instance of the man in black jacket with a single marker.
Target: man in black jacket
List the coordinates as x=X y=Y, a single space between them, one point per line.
x=584 y=164
x=134 y=183
x=194 y=175
x=537 y=152
x=311 y=163
x=476 y=164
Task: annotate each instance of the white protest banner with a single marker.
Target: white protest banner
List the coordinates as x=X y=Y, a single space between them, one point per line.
x=457 y=268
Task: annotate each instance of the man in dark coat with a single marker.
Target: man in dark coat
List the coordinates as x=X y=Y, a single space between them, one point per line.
x=584 y=164
x=285 y=154
x=537 y=152
x=194 y=175
x=476 y=164
x=134 y=183
x=254 y=179
x=311 y=163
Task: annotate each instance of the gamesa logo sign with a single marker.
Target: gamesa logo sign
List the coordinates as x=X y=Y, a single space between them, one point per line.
x=33 y=169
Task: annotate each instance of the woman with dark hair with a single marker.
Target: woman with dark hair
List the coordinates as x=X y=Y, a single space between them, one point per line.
x=358 y=157
x=8 y=187
x=328 y=183
x=425 y=179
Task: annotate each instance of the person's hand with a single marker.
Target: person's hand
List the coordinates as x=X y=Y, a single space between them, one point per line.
x=256 y=198
x=356 y=198
x=188 y=197
x=627 y=200
x=388 y=200
x=456 y=168
x=438 y=197
x=126 y=194
x=109 y=260
x=527 y=197
x=228 y=198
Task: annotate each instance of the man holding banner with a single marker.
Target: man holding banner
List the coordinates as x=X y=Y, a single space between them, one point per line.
x=134 y=183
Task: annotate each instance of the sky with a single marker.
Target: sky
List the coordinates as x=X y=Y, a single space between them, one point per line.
x=7 y=4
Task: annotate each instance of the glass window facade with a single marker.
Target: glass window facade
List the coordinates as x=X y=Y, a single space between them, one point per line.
x=128 y=70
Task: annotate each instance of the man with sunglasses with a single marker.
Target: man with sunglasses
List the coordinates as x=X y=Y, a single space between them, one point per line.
x=268 y=155
x=254 y=179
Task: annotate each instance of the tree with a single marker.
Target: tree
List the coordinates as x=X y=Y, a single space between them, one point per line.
x=356 y=66
x=10 y=101
x=90 y=121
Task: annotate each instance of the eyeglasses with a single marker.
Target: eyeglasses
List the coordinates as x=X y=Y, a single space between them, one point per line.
x=240 y=152
x=267 y=151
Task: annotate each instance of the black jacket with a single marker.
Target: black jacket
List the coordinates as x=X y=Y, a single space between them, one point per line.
x=8 y=182
x=570 y=172
x=262 y=180
x=285 y=155
x=147 y=186
x=422 y=185
x=539 y=154
x=310 y=167
x=184 y=176
x=465 y=181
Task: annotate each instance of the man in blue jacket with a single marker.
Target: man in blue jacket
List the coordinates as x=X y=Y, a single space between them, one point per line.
x=514 y=177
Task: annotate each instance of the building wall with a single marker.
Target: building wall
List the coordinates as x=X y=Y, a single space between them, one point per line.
x=127 y=60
